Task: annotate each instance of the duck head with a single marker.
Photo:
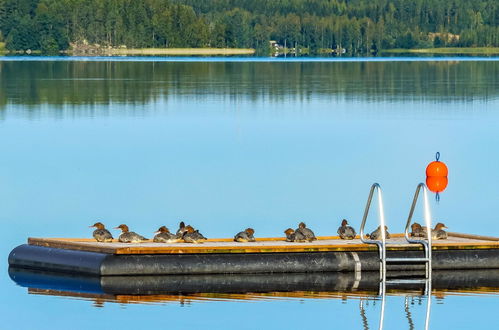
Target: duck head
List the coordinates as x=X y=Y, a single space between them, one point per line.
x=250 y=231
x=302 y=225
x=416 y=226
x=440 y=226
x=98 y=225
x=344 y=222
x=124 y=228
x=162 y=229
x=289 y=231
x=189 y=229
x=181 y=225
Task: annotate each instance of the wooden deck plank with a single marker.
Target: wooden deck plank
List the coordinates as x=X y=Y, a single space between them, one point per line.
x=262 y=245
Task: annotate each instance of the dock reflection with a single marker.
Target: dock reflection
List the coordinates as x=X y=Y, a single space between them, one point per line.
x=181 y=288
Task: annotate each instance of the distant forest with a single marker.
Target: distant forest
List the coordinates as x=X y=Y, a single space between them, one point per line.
x=361 y=27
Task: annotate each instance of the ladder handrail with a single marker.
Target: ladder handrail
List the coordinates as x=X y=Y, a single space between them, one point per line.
x=381 y=244
x=377 y=187
x=427 y=243
x=427 y=216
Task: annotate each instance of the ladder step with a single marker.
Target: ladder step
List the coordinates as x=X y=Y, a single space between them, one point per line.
x=407 y=259
x=407 y=281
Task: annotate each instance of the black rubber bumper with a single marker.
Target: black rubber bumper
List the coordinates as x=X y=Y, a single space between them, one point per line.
x=82 y=262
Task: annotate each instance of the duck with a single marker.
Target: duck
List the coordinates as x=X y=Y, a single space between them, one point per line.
x=417 y=230
x=193 y=236
x=376 y=235
x=163 y=235
x=294 y=236
x=129 y=236
x=306 y=232
x=245 y=236
x=439 y=232
x=345 y=231
x=181 y=229
x=101 y=234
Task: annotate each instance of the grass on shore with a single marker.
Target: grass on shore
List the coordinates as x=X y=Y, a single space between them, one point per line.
x=447 y=50
x=179 y=51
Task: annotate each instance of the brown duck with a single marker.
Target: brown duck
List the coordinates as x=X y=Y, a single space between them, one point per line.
x=129 y=236
x=101 y=234
x=245 y=236
x=163 y=235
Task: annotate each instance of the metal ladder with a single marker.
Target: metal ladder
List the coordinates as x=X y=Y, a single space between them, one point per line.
x=426 y=243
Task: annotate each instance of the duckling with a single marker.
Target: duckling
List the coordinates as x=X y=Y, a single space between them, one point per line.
x=193 y=236
x=245 y=236
x=101 y=234
x=163 y=235
x=376 y=235
x=181 y=229
x=306 y=232
x=129 y=236
x=417 y=230
x=345 y=231
x=294 y=236
x=439 y=232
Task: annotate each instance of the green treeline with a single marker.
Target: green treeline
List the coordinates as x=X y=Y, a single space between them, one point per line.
x=361 y=27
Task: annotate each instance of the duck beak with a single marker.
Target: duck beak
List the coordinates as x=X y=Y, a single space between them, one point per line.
x=116 y=228
x=90 y=226
x=156 y=232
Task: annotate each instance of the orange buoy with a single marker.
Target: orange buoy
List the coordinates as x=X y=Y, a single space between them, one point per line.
x=437 y=168
x=437 y=184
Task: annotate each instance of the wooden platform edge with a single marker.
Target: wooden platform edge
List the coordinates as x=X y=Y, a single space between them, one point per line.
x=473 y=236
x=134 y=249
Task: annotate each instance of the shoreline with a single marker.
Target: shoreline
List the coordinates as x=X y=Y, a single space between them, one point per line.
x=445 y=51
x=159 y=51
x=96 y=51
x=105 y=58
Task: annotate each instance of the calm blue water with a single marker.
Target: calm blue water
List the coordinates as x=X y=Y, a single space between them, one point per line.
x=231 y=145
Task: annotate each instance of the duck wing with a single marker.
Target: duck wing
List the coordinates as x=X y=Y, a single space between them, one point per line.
x=135 y=236
x=107 y=234
x=240 y=235
x=299 y=236
x=199 y=235
x=159 y=238
x=349 y=232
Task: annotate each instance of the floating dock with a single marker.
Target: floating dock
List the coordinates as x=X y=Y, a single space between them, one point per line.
x=266 y=255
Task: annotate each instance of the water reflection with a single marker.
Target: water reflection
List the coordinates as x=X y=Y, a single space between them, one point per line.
x=195 y=289
x=335 y=285
x=408 y=312
x=107 y=82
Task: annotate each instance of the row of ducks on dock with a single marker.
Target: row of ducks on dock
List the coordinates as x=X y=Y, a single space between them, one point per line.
x=347 y=232
x=187 y=234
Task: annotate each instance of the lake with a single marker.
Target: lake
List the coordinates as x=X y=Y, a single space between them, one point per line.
x=230 y=143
